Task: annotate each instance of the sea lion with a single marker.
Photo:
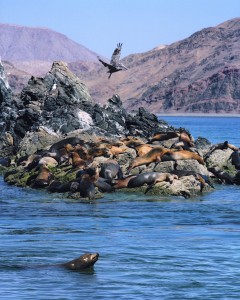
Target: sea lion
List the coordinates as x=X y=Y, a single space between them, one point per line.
x=203 y=179
x=182 y=155
x=83 y=262
x=163 y=136
x=186 y=138
x=114 y=151
x=29 y=162
x=98 y=151
x=140 y=147
x=220 y=146
x=48 y=161
x=150 y=178
x=235 y=159
x=237 y=178
x=110 y=169
x=77 y=161
x=121 y=183
x=104 y=185
x=59 y=187
x=87 y=186
x=60 y=144
x=43 y=178
x=153 y=155
x=223 y=176
x=143 y=149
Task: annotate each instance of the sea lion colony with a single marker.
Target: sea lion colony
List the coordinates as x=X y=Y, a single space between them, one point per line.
x=86 y=168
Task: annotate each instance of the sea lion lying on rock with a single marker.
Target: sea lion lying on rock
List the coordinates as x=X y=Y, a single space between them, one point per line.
x=203 y=179
x=149 y=178
x=182 y=155
x=110 y=169
x=223 y=176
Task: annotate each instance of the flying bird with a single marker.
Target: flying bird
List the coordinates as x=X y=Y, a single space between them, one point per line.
x=114 y=65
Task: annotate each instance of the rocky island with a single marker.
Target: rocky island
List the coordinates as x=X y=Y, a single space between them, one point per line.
x=53 y=136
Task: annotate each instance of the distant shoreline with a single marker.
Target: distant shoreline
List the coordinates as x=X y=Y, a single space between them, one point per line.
x=197 y=115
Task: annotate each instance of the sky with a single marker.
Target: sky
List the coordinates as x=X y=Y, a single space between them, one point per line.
x=140 y=25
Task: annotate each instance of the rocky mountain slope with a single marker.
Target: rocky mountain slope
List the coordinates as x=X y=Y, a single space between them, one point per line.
x=34 y=49
x=199 y=74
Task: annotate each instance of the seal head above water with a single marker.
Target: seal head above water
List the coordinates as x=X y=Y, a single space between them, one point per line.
x=84 y=261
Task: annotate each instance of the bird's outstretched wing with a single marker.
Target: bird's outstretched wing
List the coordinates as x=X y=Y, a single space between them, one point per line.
x=116 y=55
x=104 y=63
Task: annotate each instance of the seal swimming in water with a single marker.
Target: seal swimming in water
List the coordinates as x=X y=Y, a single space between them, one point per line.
x=83 y=262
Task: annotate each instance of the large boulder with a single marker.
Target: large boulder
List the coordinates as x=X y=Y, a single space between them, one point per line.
x=60 y=104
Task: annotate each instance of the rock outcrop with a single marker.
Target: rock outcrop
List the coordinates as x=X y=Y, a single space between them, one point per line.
x=59 y=104
x=7 y=115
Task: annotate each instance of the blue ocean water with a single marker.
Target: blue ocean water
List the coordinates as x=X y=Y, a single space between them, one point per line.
x=150 y=247
x=215 y=129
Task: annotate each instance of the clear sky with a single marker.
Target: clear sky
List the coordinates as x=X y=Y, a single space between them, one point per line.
x=140 y=25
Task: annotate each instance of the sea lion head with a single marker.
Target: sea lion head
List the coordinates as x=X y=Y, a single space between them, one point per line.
x=84 y=261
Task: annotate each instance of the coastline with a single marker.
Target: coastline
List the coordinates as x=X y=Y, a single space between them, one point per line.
x=197 y=115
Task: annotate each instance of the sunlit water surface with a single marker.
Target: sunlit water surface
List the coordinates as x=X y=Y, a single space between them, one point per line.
x=150 y=247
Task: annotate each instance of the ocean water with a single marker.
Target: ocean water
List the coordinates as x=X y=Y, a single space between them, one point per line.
x=150 y=247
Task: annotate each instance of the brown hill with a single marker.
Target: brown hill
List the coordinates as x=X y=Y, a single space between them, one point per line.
x=21 y=43
x=34 y=49
x=198 y=74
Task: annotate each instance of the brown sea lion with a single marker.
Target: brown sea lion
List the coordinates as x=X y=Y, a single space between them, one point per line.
x=83 y=262
x=182 y=155
x=87 y=181
x=140 y=147
x=235 y=159
x=87 y=186
x=220 y=146
x=43 y=178
x=48 y=161
x=121 y=183
x=104 y=185
x=98 y=151
x=110 y=169
x=77 y=161
x=163 y=136
x=203 y=179
x=186 y=138
x=150 y=178
x=60 y=144
x=29 y=161
x=153 y=155
x=223 y=176
x=59 y=187
x=237 y=178
x=114 y=151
